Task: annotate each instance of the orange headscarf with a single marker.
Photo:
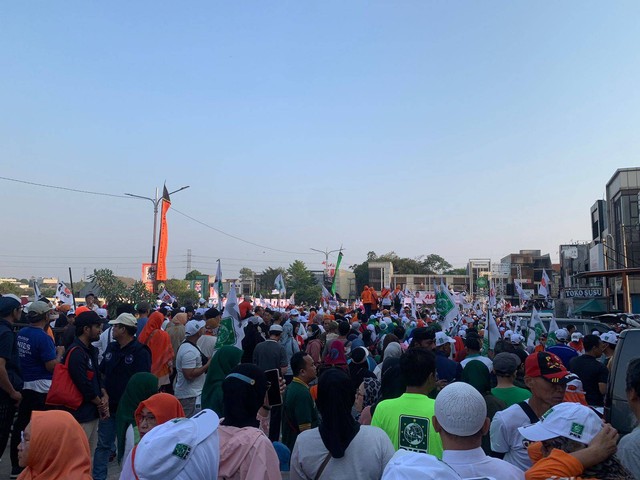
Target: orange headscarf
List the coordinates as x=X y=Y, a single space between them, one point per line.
x=180 y=318
x=164 y=407
x=58 y=448
x=159 y=343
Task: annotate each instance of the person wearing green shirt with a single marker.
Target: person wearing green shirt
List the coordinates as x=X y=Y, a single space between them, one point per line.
x=505 y=366
x=298 y=408
x=407 y=420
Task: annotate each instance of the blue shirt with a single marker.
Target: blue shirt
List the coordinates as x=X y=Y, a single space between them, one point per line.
x=35 y=348
x=446 y=368
x=141 y=323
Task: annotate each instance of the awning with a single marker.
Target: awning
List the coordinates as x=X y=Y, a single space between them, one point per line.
x=593 y=307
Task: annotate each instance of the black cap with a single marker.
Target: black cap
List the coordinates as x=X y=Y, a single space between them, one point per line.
x=423 y=333
x=212 y=313
x=86 y=319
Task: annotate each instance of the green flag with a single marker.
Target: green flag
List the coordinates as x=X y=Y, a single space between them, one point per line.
x=335 y=274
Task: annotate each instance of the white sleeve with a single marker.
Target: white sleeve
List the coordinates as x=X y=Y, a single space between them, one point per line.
x=499 y=442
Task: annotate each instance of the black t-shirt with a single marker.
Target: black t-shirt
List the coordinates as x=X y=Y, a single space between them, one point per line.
x=591 y=372
x=9 y=351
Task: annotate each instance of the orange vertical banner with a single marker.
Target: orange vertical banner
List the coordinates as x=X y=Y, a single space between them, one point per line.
x=161 y=273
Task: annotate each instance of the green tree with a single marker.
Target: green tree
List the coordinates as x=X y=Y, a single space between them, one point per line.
x=302 y=282
x=180 y=289
x=435 y=264
x=246 y=273
x=193 y=274
x=116 y=292
x=9 y=287
x=456 y=271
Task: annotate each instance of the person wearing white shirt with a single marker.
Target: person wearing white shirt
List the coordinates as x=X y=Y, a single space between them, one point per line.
x=461 y=420
x=473 y=353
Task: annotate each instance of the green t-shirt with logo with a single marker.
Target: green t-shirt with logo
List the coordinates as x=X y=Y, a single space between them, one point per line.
x=408 y=422
x=512 y=395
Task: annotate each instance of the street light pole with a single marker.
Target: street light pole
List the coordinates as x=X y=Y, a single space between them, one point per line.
x=326 y=253
x=155 y=201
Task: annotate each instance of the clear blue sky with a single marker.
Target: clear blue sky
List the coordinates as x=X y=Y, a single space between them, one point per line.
x=466 y=129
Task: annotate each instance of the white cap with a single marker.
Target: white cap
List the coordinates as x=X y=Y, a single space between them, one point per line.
x=406 y=465
x=610 y=337
x=570 y=420
x=576 y=336
x=574 y=384
x=193 y=327
x=460 y=409
x=125 y=319
x=516 y=339
x=102 y=313
x=180 y=449
x=442 y=338
x=562 y=334
x=275 y=328
x=294 y=312
x=462 y=333
x=303 y=319
x=508 y=333
x=202 y=301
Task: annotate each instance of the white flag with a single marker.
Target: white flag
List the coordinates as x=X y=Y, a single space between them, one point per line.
x=553 y=326
x=230 y=331
x=292 y=299
x=279 y=284
x=36 y=291
x=521 y=293
x=446 y=307
x=544 y=288
x=536 y=328
x=64 y=294
x=326 y=298
x=491 y=334
x=492 y=295
x=166 y=297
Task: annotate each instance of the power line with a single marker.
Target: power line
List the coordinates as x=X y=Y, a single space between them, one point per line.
x=238 y=238
x=63 y=188
x=173 y=209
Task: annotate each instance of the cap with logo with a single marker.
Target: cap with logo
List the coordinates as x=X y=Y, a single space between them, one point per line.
x=442 y=338
x=569 y=420
x=180 y=449
x=193 y=327
x=610 y=337
x=127 y=319
x=546 y=365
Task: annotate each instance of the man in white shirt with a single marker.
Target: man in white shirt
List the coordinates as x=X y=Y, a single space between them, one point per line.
x=461 y=420
x=472 y=342
x=191 y=367
x=545 y=376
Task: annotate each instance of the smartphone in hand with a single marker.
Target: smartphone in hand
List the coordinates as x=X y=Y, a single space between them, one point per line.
x=273 y=394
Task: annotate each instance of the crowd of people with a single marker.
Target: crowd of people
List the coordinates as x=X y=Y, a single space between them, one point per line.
x=378 y=391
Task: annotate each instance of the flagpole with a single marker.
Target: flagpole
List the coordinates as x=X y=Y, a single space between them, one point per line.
x=73 y=295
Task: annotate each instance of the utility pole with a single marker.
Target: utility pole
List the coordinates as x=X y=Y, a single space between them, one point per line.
x=326 y=253
x=188 y=261
x=155 y=201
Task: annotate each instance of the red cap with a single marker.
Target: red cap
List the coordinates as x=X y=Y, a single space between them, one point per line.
x=546 y=365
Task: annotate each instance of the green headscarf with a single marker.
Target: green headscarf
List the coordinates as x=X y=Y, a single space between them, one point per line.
x=477 y=375
x=140 y=387
x=224 y=360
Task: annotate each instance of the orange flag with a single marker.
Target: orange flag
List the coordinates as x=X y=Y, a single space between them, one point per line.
x=164 y=237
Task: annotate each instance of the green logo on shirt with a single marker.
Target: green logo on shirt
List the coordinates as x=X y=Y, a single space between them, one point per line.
x=414 y=433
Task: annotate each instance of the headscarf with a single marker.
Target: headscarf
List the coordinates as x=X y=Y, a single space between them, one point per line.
x=393 y=350
x=335 y=400
x=58 y=448
x=164 y=407
x=476 y=374
x=140 y=387
x=222 y=363
x=335 y=355
x=372 y=329
x=372 y=391
x=180 y=318
x=242 y=399
x=159 y=342
x=286 y=338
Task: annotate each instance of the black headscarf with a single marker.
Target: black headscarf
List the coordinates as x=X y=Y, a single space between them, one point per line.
x=336 y=396
x=243 y=396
